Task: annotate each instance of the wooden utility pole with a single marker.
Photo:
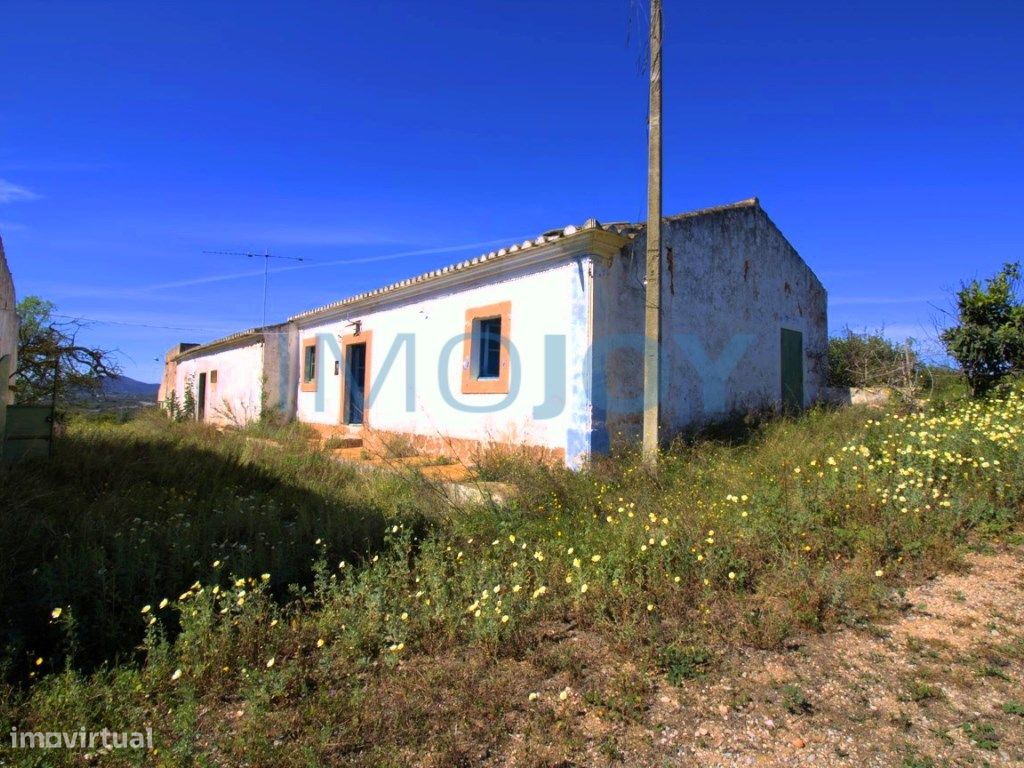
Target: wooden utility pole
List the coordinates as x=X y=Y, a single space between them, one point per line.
x=652 y=314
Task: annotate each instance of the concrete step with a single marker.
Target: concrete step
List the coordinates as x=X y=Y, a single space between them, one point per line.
x=343 y=441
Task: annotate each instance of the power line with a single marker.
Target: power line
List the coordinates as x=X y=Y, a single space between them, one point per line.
x=134 y=325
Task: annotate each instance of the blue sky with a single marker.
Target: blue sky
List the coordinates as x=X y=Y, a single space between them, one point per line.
x=884 y=139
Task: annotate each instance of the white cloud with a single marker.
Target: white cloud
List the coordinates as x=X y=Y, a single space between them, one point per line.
x=13 y=193
x=333 y=263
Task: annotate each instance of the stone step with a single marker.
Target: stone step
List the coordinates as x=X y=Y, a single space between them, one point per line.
x=343 y=441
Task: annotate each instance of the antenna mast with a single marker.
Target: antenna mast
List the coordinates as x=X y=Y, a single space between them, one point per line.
x=266 y=256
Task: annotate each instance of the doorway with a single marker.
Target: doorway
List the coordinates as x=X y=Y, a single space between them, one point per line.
x=355 y=383
x=792 y=353
x=201 y=398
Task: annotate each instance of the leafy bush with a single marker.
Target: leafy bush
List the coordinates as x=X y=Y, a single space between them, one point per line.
x=795 y=701
x=869 y=360
x=988 y=342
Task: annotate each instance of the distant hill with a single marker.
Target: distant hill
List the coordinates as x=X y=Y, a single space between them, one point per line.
x=122 y=387
x=117 y=393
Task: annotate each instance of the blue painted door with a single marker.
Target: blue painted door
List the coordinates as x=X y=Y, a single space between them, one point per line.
x=355 y=382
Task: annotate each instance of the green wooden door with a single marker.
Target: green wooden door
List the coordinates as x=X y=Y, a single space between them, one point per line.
x=792 y=369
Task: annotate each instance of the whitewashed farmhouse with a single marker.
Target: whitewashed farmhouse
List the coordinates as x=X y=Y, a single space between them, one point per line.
x=540 y=343
x=237 y=379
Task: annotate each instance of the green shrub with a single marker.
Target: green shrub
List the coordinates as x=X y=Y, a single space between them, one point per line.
x=988 y=341
x=685 y=663
x=869 y=360
x=794 y=700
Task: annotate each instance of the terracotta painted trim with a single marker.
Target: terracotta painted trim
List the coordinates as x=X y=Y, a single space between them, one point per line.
x=308 y=386
x=363 y=337
x=464 y=450
x=471 y=385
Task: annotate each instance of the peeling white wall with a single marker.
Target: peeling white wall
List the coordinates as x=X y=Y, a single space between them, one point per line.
x=733 y=283
x=545 y=301
x=272 y=374
x=280 y=353
x=235 y=398
x=617 y=403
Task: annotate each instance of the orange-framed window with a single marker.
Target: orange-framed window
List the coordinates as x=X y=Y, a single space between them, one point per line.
x=309 y=363
x=486 y=366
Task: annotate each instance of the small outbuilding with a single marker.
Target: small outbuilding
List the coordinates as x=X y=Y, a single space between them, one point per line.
x=237 y=379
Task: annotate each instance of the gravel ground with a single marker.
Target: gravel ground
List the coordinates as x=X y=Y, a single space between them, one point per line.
x=940 y=683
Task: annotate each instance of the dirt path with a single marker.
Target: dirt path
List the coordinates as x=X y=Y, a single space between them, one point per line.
x=941 y=684
x=944 y=683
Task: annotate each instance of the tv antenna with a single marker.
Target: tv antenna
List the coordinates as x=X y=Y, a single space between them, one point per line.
x=266 y=256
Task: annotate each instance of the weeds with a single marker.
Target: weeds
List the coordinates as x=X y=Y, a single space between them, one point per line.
x=982 y=735
x=920 y=692
x=398 y=446
x=300 y=592
x=794 y=700
x=1013 y=708
x=684 y=663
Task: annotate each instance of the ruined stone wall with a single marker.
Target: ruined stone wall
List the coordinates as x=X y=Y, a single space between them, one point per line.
x=169 y=379
x=8 y=323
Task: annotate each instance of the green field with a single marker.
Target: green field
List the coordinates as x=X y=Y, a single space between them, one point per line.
x=255 y=602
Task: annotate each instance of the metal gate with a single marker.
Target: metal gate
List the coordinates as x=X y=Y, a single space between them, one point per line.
x=28 y=433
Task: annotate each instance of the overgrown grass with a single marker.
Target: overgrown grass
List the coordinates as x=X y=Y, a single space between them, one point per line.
x=132 y=513
x=802 y=524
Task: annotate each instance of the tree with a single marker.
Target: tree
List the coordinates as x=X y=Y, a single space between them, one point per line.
x=870 y=360
x=988 y=342
x=51 y=359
